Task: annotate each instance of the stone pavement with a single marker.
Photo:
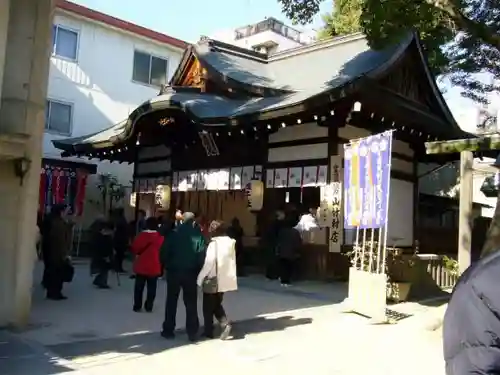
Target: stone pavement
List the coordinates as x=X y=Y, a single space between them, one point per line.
x=21 y=357
x=293 y=330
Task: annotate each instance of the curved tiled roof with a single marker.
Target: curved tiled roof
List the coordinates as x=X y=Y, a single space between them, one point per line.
x=312 y=75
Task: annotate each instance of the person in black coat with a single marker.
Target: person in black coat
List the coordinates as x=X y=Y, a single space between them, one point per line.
x=270 y=240
x=235 y=231
x=121 y=238
x=288 y=250
x=471 y=326
x=102 y=247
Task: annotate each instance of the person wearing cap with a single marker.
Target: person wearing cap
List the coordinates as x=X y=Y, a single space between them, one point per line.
x=182 y=256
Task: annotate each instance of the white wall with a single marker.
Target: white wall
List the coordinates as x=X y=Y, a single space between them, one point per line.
x=284 y=43
x=400 y=232
x=99 y=84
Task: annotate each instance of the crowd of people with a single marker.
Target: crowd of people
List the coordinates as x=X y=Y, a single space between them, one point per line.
x=187 y=251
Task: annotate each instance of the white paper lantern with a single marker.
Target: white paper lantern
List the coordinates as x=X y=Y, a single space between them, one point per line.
x=133 y=199
x=255 y=195
x=163 y=195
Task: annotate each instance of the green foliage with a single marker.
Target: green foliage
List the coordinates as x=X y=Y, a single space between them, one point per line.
x=461 y=37
x=345 y=19
x=451 y=265
x=300 y=11
x=111 y=190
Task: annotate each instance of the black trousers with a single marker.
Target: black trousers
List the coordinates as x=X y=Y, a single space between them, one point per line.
x=45 y=276
x=53 y=280
x=101 y=278
x=286 y=270
x=272 y=269
x=119 y=257
x=185 y=281
x=240 y=263
x=150 y=283
x=212 y=307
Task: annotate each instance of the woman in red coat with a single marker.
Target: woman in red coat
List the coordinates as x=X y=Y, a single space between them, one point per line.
x=147 y=267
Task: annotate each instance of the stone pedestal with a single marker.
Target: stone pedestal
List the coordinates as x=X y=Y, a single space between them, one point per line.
x=22 y=117
x=367 y=295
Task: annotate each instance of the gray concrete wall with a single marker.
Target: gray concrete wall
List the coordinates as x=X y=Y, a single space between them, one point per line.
x=22 y=117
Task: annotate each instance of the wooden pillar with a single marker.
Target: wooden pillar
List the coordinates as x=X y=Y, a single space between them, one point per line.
x=135 y=189
x=416 y=203
x=465 y=213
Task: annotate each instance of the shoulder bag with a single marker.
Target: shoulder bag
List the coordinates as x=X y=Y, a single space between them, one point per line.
x=210 y=284
x=67 y=271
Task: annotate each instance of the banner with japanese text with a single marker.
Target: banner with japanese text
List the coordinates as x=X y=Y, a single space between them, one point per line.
x=335 y=205
x=367 y=169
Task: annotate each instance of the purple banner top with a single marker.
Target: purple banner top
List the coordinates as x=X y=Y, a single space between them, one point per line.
x=367 y=176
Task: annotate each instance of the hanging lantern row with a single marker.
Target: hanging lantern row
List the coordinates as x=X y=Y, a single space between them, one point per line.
x=398 y=128
x=318 y=118
x=107 y=153
x=259 y=130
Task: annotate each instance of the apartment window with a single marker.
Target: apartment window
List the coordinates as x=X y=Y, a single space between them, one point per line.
x=58 y=117
x=64 y=42
x=149 y=69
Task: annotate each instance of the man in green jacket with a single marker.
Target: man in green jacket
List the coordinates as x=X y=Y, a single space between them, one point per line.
x=183 y=255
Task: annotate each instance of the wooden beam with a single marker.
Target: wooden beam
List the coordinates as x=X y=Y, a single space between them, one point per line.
x=465 y=211
x=487 y=143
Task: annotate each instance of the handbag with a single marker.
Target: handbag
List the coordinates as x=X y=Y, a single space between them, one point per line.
x=68 y=272
x=210 y=284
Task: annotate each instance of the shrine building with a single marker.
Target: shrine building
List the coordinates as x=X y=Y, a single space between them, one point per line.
x=231 y=115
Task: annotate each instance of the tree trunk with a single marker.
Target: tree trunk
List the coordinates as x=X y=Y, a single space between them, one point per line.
x=492 y=242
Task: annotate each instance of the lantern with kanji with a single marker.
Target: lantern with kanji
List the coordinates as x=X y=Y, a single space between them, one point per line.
x=255 y=195
x=133 y=199
x=163 y=195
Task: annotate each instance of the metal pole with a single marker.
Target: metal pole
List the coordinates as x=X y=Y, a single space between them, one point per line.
x=465 y=210
x=384 y=245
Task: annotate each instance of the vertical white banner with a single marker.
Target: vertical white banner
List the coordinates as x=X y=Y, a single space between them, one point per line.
x=235 y=178
x=270 y=178
x=337 y=220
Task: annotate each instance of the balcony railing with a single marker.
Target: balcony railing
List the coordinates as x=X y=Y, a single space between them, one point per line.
x=269 y=24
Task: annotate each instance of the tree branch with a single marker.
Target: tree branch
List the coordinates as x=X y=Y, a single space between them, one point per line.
x=462 y=22
x=459 y=145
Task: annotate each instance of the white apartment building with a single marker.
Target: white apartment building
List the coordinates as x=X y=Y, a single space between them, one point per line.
x=101 y=69
x=267 y=36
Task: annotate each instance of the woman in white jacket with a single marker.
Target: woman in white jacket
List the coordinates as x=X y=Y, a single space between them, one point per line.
x=218 y=276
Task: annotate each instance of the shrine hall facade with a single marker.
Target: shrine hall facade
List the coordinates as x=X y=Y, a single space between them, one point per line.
x=231 y=115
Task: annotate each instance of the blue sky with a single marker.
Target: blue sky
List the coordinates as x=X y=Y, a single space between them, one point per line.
x=189 y=19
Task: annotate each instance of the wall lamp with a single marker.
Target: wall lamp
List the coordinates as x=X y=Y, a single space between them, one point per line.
x=21 y=167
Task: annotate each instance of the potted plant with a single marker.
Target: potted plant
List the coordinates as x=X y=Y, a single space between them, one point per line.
x=400 y=274
x=451 y=265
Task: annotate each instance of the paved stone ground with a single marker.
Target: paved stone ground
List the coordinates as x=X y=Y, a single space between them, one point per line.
x=293 y=331
x=20 y=357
